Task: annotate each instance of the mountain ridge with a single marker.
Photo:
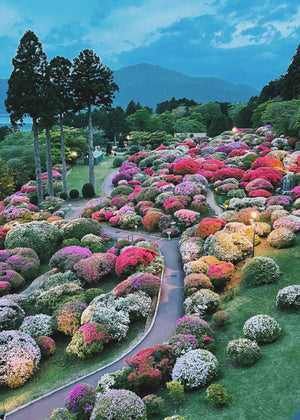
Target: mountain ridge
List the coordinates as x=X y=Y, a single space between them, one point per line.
x=151 y=84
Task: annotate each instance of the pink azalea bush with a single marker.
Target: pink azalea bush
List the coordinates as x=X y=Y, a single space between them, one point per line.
x=88 y=340
x=94 y=268
x=131 y=258
x=65 y=258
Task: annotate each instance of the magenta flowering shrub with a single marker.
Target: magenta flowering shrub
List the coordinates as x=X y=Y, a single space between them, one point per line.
x=131 y=258
x=94 y=268
x=5 y=287
x=88 y=340
x=13 y=278
x=259 y=184
x=220 y=273
x=186 y=217
x=260 y=193
x=289 y=222
x=194 y=325
x=147 y=282
x=65 y=258
x=121 y=176
x=272 y=175
x=119 y=201
x=188 y=188
x=175 y=203
x=182 y=343
x=225 y=173
x=295 y=193
x=23 y=260
x=186 y=166
x=81 y=400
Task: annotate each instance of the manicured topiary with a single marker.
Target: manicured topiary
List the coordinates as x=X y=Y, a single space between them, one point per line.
x=88 y=190
x=78 y=228
x=11 y=315
x=260 y=270
x=243 y=352
x=88 y=340
x=202 y=302
x=65 y=258
x=217 y=394
x=194 y=282
x=262 y=328
x=289 y=297
x=194 y=325
x=36 y=325
x=195 y=368
x=74 y=193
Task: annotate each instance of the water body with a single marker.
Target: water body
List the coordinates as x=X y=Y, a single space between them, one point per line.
x=4 y=120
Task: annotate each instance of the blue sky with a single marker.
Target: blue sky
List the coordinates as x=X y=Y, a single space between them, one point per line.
x=249 y=42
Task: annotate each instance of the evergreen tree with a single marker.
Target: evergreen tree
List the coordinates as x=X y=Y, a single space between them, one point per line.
x=93 y=85
x=132 y=107
x=25 y=91
x=60 y=75
x=291 y=80
x=218 y=124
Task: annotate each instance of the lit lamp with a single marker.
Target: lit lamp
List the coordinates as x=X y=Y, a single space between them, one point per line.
x=74 y=156
x=254 y=216
x=169 y=234
x=234 y=130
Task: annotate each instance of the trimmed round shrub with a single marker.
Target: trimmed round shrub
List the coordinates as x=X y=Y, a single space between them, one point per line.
x=195 y=368
x=146 y=282
x=94 y=268
x=281 y=238
x=217 y=394
x=193 y=325
x=289 y=297
x=15 y=279
x=133 y=258
x=46 y=345
x=19 y=358
x=153 y=404
x=243 y=352
x=88 y=190
x=78 y=228
x=194 y=282
x=93 y=243
x=220 y=318
x=35 y=325
x=25 y=261
x=65 y=258
x=81 y=400
x=58 y=279
x=66 y=318
x=5 y=287
x=119 y=404
x=260 y=270
x=208 y=227
x=61 y=414
x=43 y=237
x=11 y=315
x=202 y=302
x=74 y=193
x=262 y=328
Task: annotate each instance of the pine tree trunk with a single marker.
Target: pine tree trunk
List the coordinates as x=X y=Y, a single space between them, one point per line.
x=49 y=163
x=91 y=149
x=37 y=158
x=63 y=155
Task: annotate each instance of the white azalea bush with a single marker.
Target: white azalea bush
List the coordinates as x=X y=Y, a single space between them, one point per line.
x=191 y=249
x=260 y=270
x=136 y=304
x=229 y=247
x=282 y=238
x=262 y=328
x=11 y=314
x=36 y=325
x=202 y=302
x=243 y=352
x=289 y=297
x=195 y=368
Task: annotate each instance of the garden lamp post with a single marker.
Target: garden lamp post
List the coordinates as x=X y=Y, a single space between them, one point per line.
x=254 y=216
x=74 y=158
x=169 y=234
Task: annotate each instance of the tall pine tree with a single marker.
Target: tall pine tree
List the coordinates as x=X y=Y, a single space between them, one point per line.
x=92 y=85
x=25 y=91
x=291 y=80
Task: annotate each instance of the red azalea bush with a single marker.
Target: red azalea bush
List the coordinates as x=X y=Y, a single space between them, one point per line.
x=237 y=152
x=220 y=273
x=213 y=165
x=3 y=232
x=173 y=179
x=94 y=268
x=208 y=174
x=260 y=193
x=186 y=166
x=225 y=173
x=272 y=175
x=268 y=161
x=175 y=203
x=128 y=262
x=209 y=226
x=137 y=157
x=150 y=367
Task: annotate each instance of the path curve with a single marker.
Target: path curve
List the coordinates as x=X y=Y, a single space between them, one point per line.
x=170 y=308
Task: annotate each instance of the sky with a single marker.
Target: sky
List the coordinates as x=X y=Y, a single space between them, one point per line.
x=244 y=42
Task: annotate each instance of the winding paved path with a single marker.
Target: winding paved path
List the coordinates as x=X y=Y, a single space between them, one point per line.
x=169 y=310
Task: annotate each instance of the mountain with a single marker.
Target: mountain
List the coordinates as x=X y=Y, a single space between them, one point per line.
x=150 y=85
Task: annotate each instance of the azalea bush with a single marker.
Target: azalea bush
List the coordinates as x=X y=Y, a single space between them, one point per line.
x=201 y=303
x=133 y=258
x=78 y=228
x=66 y=318
x=92 y=269
x=136 y=304
x=81 y=400
x=281 y=238
x=46 y=345
x=220 y=273
x=217 y=394
x=191 y=249
x=289 y=297
x=19 y=358
x=11 y=314
x=65 y=258
x=193 y=325
x=36 y=325
x=260 y=270
x=230 y=247
x=50 y=300
x=194 y=282
x=88 y=340
x=119 y=404
x=243 y=352
x=208 y=227
x=147 y=282
x=182 y=343
x=14 y=279
x=262 y=328
x=195 y=368
x=186 y=217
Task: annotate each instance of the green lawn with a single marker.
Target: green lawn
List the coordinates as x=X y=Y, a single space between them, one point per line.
x=270 y=388
x=80 y=176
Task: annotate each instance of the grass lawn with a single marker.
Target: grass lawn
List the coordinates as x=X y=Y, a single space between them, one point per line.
x=80 y=176
x=270 y=388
